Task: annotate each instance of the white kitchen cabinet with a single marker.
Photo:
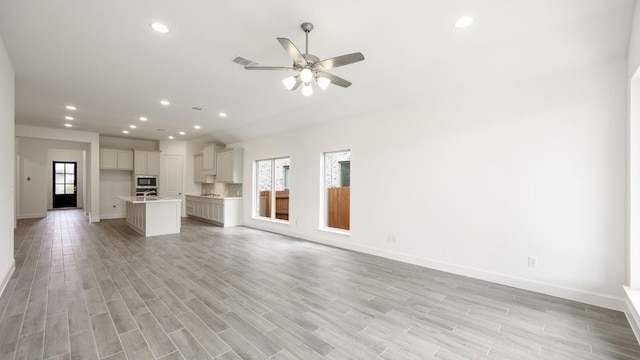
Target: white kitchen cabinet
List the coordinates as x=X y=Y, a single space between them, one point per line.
x=229 y=163
x=146 y=163
x=221 y=211
x=116 y=159
x=209 y=160
x=198 y=175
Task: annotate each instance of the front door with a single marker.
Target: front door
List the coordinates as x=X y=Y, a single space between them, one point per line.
x=64 y=184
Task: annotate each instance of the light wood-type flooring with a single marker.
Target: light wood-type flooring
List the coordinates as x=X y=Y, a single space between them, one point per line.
x=100 y=291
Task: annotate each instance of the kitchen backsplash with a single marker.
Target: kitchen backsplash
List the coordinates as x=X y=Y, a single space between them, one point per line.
x=222 y=189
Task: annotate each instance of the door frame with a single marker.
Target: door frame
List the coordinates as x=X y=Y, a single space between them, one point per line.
x=75 y=185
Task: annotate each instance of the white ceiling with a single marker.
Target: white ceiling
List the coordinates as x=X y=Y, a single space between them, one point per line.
x=103 y=57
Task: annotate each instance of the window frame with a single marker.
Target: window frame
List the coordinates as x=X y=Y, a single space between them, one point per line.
x=272 y=191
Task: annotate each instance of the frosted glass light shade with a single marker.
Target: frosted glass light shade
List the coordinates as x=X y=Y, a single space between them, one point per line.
x=323 y=83
x=289 y=82
x=307 y=90
x=306 y=75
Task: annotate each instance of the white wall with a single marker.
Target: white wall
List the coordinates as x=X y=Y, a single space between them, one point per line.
x=111 y=142
x=68 y=156
x=7 y=152
x=34 y=172
x=114 y=183
x=81 y=138
x=476 y=183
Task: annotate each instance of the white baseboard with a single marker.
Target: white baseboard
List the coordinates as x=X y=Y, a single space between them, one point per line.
x=109 y=217
x=31 y=216
x=587 y=297
x=7 y=275
x=633 y=309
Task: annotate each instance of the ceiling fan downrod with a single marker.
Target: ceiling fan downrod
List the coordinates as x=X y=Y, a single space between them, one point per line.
x=306 y=27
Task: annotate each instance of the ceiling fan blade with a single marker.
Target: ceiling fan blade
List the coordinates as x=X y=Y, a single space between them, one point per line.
x=268 y=68
x=338 y=61
x=298 y=83
x=335 y=80
x=293 y=51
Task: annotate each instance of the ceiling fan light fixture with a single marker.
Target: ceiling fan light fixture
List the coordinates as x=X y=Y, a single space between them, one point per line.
x=306 y=75
x=307 y=90
x=289 y=82
x=323 y=83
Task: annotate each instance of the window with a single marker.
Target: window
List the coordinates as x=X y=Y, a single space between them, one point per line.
x=286 y=176
x=337 y=191
x=272 y=182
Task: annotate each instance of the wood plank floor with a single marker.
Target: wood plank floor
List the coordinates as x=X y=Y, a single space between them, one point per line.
x=101 y=291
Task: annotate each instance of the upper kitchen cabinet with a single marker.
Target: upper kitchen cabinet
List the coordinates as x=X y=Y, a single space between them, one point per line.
x=229 y=166
x=198 y=175
x=115 y=159
x=208 y=160
x=146 y=163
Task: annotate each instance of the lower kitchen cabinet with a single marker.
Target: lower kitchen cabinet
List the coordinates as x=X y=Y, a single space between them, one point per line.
x=220 y=211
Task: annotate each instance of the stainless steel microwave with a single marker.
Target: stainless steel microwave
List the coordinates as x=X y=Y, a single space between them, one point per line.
x=146 y=182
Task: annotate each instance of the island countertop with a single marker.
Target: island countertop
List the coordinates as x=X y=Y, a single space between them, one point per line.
x=222 y=197
x=149 y=199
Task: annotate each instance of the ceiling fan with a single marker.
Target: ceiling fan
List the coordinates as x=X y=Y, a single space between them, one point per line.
x=309 y=67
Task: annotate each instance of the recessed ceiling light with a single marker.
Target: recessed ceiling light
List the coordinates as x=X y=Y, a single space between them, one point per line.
x=170 y=137
x=197 y=127
x=68 y=117
x=142 y=118
x=70 y=107
x=160 y=27
x=164 y=102
x=125 y=131
x=463 y=22
x=181 y=133
x=223 y=114
x=132 y=126
x=68 y=125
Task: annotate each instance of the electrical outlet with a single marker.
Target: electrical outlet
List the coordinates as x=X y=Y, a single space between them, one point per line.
x=392 y=239
x=533 y=262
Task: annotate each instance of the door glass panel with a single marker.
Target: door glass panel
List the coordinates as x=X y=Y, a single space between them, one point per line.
x=69 y=168
x=59 y=168
x=59 y=178
x=69 y=178
x=59 y=189
x=69 y=189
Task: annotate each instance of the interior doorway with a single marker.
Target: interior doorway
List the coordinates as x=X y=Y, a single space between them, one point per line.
x=65 y=187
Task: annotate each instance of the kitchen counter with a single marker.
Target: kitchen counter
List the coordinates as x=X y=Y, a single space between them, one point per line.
x=153 y=215
x=215 y=196
x=220 y=210
x=145 y=199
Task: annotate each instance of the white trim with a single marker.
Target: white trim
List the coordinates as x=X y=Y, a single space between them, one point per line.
x=633 y=306
x=109 y=217
x=94 y=219
x=588 y=297
x=32 y=216
x=7 y=276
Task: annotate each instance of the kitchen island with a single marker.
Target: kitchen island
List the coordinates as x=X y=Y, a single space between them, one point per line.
x=153 y=215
